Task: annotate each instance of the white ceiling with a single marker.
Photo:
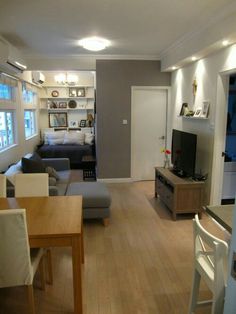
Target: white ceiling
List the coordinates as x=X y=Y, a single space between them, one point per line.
x=135 y=27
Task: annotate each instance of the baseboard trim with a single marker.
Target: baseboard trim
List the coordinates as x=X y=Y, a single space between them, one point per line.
x=115 y=180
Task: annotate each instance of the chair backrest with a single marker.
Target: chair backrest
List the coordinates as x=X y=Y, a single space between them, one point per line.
x=15 y=264
x=3 y=184
x=211 y=254
x=31 y=184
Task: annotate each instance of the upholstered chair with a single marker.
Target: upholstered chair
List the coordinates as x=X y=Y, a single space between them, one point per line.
x=31 y=184
x=18 y=264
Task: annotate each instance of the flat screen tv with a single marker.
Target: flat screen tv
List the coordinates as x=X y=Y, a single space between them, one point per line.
x=183 y=153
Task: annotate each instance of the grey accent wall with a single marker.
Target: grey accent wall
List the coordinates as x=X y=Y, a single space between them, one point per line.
x=113 y=104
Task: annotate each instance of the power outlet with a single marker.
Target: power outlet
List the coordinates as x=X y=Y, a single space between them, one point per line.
x=233 y=268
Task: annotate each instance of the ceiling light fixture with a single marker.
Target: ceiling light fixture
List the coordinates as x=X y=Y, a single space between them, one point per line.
x=194 y=58
x=94 y=43
x=70 y=79
x=225 y=42
x=174 y=68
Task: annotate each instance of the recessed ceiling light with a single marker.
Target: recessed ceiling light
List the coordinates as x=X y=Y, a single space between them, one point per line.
x=225 y=42
x=194 y=58
x=94 y=43
x=174 y=68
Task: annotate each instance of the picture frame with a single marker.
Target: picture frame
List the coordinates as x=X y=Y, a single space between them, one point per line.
x=63 y=104
x=58 y=119
x=205 y=109
x=82 y=123
x=73 y=124
x=72 y=92
x=80 y=92
x=198 y=112
x=184 y=109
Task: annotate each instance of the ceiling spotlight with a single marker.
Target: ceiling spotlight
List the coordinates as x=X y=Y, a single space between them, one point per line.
x=194 y=58
x=94 y=43
x=225 y=42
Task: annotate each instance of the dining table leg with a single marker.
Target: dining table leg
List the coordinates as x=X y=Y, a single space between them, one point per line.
x=77 y=279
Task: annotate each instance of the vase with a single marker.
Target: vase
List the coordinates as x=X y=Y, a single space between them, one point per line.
x=166 y=162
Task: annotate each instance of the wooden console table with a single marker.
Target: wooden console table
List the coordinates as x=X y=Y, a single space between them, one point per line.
x=180 y=195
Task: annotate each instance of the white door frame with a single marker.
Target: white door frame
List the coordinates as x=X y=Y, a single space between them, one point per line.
x=133 y=88
x=220 y=134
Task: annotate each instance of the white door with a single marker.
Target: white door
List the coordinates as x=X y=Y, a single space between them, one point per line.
x=148 y=130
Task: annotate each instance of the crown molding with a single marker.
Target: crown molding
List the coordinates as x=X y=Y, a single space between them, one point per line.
x=97 y=57
x=204 y=41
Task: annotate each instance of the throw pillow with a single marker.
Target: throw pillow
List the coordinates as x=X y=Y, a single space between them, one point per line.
x=52 y=181
x=56 y=138
x=52 y=173
x=45 y=136
x=89 y=138
x=32 y=166
x=74 y=138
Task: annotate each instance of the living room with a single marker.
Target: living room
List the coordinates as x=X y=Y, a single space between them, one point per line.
x=200 y=60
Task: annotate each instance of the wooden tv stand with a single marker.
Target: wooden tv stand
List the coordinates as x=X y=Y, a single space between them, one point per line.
x=180 y=195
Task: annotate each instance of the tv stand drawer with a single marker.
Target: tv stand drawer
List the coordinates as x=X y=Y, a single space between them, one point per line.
x=180 y=195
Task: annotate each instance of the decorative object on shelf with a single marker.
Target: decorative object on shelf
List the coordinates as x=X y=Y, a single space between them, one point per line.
x=55 y=93
x=73 y=124
x=57 y=119
x=190 y=113
x=72 y=92
x=80 y=92
x=63 y=104
x=205 y=109
x=184 y=109
x=52 y=105
x=198 y=112
x=82 y=123
x=194 y=87
x=90 y=120
x=167 y=153
x=72 y=104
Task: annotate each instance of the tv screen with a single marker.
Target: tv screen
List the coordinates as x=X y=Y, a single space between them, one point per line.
x=183 y=154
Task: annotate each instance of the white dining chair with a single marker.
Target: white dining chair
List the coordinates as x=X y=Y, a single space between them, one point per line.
x=18 y=264
x=31 y=184
x=3 y=186
x=34 y=184
x=210 y=263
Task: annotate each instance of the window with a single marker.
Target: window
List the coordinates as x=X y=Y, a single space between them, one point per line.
x=30 y=125
x=6 y=129
x=5 y=92
x=28 y=96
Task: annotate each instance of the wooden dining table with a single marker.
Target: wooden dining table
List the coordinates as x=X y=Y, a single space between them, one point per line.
x=55 y=221
x=223 y=214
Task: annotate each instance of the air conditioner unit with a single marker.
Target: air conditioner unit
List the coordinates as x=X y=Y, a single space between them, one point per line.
x=11 y=60
x=38 y=77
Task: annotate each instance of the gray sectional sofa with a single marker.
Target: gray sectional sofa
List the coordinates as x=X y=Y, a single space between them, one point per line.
x=56 y=187
x=96 y=197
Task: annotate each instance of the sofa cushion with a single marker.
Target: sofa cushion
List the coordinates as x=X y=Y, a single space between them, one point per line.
x=56 y=138
x=11 y=171
x=73 y=137
x=95 y=194
x=52 y=173
x=32 y=166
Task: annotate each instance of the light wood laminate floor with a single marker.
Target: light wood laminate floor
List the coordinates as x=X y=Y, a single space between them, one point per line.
x=140 y=263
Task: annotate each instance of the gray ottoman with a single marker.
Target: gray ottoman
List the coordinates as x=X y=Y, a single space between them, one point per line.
x=96 y=199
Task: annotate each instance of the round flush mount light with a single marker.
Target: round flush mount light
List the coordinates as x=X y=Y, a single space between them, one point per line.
x=194 y=58
x=225 y=42
x=174 y=68
x=94 y=43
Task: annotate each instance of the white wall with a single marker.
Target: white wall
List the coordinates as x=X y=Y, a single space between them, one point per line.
x=210 y=87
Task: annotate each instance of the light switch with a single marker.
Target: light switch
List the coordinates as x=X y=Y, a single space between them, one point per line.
x=124 y=122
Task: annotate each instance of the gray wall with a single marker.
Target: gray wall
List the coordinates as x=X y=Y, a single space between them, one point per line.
x=114 y=81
